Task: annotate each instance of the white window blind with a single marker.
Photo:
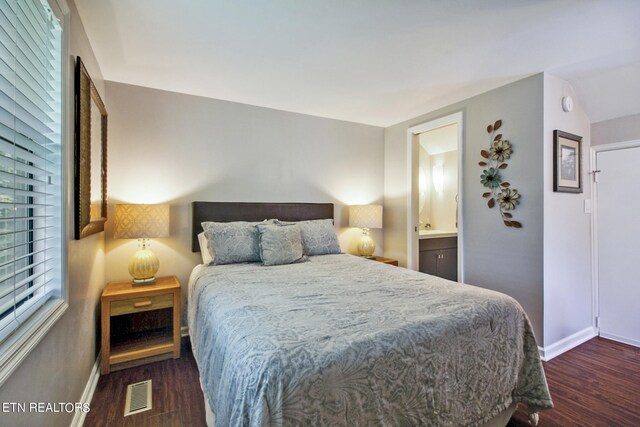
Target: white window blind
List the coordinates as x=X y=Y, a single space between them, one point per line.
x=30 y=161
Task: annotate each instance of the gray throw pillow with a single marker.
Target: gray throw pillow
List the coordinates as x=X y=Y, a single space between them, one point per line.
x=232 y=242
x=318 y=236
x=280 y=244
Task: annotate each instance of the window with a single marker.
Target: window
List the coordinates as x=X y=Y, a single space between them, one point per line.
x=30 y=176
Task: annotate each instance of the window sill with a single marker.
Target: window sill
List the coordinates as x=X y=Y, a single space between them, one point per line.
x=16 y=349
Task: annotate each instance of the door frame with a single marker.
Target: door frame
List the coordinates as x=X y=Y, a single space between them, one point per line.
x=412 y=190
x=595 y=149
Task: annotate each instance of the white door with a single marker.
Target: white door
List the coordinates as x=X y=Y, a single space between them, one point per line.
x=618 y=228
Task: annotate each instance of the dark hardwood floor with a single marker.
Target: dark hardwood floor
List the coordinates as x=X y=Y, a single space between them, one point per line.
x=595 y=384
x=177 y=397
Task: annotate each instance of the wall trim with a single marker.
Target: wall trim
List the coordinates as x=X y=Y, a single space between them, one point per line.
x=557 y=348
x=36 y=327
x=184 y=331
x=618 y=338
x=87 y=394
x=616 y=145
x=63 y=5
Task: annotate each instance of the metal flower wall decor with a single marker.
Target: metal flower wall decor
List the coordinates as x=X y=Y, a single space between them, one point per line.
x=495 y=161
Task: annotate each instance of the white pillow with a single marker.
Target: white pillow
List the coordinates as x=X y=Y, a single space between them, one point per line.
x=207 y=259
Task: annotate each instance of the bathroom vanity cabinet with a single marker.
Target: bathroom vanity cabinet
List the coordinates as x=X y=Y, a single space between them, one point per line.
x=439 y=257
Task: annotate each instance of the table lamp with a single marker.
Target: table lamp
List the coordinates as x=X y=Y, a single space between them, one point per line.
x=142 y=222
x=365 y=217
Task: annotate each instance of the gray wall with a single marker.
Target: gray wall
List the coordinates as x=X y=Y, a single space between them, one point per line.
x=621 y=129
x=568 y=295
x=176 y=148
x=495 y=257
x=58 y=368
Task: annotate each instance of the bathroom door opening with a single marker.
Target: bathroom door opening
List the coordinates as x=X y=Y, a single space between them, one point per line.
x=434 y=214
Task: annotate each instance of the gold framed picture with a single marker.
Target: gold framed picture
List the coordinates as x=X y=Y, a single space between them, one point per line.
x=90 y=156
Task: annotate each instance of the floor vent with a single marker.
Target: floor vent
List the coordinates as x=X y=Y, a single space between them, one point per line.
x=138 y=398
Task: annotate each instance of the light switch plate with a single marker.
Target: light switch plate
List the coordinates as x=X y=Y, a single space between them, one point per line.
x=587 y=206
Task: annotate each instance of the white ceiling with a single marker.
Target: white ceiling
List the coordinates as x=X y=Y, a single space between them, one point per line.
x=376 y=62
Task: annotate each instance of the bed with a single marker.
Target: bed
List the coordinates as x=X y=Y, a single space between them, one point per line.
x=341 y=340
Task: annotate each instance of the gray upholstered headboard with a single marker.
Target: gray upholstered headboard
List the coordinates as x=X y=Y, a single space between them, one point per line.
x=242 y=211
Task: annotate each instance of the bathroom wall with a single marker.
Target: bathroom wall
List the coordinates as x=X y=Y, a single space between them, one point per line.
x=438 y=147
x=443 y=204
x=425 y=188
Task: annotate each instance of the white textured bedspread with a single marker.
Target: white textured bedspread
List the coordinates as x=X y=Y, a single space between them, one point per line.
x=343 y=341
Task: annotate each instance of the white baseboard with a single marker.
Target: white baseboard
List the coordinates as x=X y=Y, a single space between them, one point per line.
x=557 y=348
x=184 y=331
x=623 y=340
x=87 y=395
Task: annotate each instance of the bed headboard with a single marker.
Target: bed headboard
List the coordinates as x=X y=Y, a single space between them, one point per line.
x=242 y=211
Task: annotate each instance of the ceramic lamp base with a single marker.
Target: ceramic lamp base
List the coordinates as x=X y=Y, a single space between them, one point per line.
x=143 y=266
x=366 y=245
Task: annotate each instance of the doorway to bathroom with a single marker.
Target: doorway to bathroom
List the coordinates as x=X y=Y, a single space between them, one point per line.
x=434 y=231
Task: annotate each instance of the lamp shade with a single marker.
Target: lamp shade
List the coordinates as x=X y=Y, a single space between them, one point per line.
x=141 y=221
x=365 y=216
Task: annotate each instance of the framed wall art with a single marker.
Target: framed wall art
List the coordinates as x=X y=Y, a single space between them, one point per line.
x=567 y=162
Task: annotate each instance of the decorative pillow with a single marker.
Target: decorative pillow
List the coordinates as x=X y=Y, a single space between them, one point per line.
x=207 y=259
x=280 y=244
x=232 y=242
x=318 y=236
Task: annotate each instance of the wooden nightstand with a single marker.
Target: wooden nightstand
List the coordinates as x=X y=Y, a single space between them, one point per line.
x=136 y=325
x=385 y=260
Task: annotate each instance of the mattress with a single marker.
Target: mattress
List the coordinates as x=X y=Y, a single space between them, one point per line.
x=340 y=340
